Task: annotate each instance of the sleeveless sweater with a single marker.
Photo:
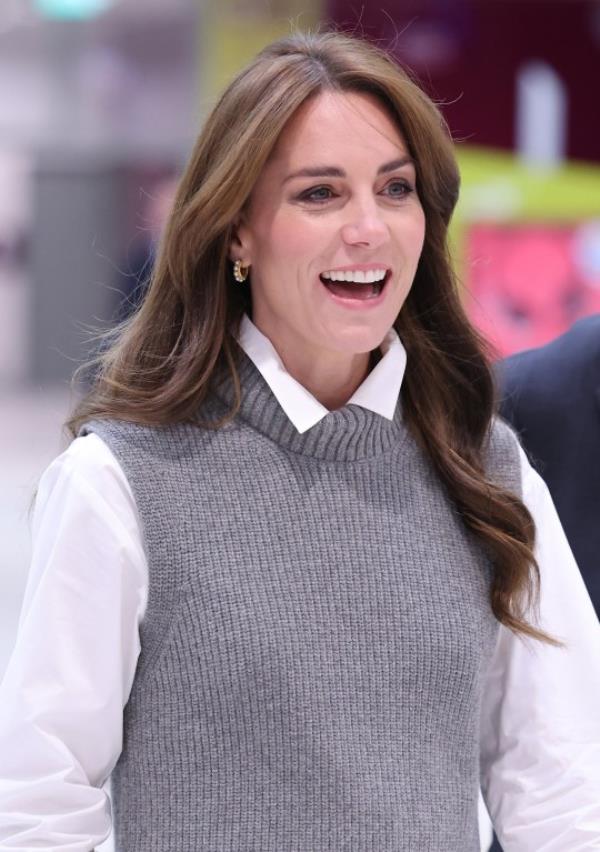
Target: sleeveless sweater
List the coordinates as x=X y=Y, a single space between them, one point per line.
x=316 y=638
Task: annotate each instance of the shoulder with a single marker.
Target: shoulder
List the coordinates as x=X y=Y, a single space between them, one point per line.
x=503 y=455
x=84 y=485
x=585 y=335
x=578 y=348
x=501 y=436
x=88 y=458
x=137 y=444
x=87 y=465
x=164 y=465
x=115 y=432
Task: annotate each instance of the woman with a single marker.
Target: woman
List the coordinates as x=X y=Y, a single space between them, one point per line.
x=305 y=574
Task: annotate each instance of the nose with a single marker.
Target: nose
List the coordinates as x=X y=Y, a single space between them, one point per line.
x=365 y=225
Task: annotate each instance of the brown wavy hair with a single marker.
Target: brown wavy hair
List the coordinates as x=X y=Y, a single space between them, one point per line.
x=157 y=367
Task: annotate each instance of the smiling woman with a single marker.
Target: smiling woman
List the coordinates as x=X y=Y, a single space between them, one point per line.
x=292 y=513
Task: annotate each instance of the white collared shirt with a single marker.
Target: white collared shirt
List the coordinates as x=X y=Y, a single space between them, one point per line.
x=69 y=677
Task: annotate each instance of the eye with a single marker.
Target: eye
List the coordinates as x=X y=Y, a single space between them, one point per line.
x=399 y=188
x=317 y=193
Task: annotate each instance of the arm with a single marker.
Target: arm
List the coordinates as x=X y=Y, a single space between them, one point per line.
x=69 y=677
x=540 y=735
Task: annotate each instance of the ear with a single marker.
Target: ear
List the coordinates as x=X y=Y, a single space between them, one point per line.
x=240 y=245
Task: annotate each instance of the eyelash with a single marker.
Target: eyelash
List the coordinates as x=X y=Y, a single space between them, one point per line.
x=306 y=196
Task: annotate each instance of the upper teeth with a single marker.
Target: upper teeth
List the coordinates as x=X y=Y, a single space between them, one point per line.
x=357 y=276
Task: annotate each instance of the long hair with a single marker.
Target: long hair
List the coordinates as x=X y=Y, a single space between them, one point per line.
x=159 y=366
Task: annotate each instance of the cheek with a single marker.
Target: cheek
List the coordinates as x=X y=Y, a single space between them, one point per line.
x=294 y=238
x=413 y=235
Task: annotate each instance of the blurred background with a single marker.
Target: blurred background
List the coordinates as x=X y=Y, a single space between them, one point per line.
x=100 y=103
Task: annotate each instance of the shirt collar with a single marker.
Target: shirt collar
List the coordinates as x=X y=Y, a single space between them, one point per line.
x=379 y=391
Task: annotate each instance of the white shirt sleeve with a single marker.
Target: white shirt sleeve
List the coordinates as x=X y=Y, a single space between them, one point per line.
x=540 y=734
x=71 y=671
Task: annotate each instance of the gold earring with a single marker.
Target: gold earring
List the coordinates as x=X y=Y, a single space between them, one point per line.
x=240 y=273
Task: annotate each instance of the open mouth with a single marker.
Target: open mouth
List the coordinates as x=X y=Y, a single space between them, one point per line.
x=356 y=290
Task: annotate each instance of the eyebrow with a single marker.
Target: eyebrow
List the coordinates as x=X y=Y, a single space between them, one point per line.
x=335 y=171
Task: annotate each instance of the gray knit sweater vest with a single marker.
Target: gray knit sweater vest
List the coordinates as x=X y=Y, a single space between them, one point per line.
x=316 y=639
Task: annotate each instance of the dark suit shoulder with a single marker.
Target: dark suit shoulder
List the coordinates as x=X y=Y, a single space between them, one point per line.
x=551 y=369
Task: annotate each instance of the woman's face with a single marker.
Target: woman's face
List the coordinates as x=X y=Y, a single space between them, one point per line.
x=337 y=195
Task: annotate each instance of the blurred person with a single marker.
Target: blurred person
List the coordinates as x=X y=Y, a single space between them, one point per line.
x=294 y=585
x=551 y=396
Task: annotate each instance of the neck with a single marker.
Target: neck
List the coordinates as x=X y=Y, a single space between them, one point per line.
x=332 y=378
x=332 y=392
x=333 y=384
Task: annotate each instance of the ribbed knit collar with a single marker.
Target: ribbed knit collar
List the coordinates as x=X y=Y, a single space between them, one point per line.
x=350 y=433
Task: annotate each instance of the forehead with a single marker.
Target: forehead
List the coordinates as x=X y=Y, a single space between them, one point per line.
x=334 y=124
